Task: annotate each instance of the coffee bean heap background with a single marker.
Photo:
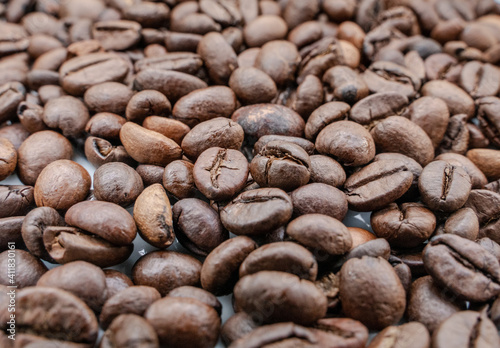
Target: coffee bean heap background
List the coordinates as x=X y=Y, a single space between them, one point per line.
x=175 y=155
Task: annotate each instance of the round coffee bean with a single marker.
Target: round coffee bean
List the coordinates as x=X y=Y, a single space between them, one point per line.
x=237 y=326
x=218 y=56
x=184 y=322
x=61 y=185
x=367 y=282
x=66 y=113
x=220 y=173
x=132 y=300
x=326 y=170
x=150 y=174
x=400 y=336
x=321 y=199
x=324 y=115
x=457 y=100
x=15 y=200
x=320 y=233
x=178 y=179
x=197 y=294
x=346 y=141
x=443 y=186
x=256 y=35
x=128 y=330
x=279 y=59
x=257 y=212
x=360 y=236
x=252 y=86
x=147 y=103
x=117 y=183
x=29 y=269
x=166 y=270
x=117 y=34
x=448 y=255
x=115 y=282
x=100 y=151
x=219 y=272
x=170 y=128
x=8 y=156
x=464 y=223
x=487 y=160
x=153 y=216
x=198 y=226
x=105 y=125
x=82 y=279
x=478 y=179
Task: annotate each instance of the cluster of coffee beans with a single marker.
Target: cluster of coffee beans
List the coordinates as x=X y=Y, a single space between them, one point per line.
x=245 y=130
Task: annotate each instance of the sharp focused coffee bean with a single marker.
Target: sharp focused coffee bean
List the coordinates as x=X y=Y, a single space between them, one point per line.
x=117 y=183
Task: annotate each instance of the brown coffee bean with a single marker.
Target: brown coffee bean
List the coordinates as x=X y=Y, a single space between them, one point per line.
x=170 y=128
x=219 y=57
x=220 y=173
x=443 y=186
x=456 y=138
x=28 y=269
x=345 y=84
x=15 y=133
x=448 y=255
x=62 y=184
x=147 y=103
x=268 y=119
x=132 y=300
x=80 y=73
x=197 y=294
x=252 y=86
x=480 y=80
x=80 y=278
x=378 y=106
x=15 y=200
x=104 y=219
x=115 y=282
x=258 y=292
x=380 y=284
x=150 y=174
x=487 y=161
x=128 y=330
x=326 y=170
x=40 y=149
x=166 y=270
x=178 y=179
x=377 y=184
x=323 y=116
x=11 y=227
x=305 y=33
x=489 y=118
x=401 y=336
x=66 y=113
x=205 y=104
x=319 y=198
x=464 y=223
x=117 y=35
x=348 y=142
x=378 y=247
x=465 y=327
x=8 y=156
x=198 y=226
x=117 y=183
x=485 y=205
x=279 y=59
x=283 y=257
x=478 y=179
x=417 y=146
x=264 y=140
x=263 y=29
x=148 y=14
x=30 y=115
x=100 y=151
x=183 y=322
x=34 y=305
x=153 y=216
x=388 y=76
x=148 y=147
x=108 y=97
x=105 y=125
x=219 y=272
x=217 y=132
x=225 y=13
x=360 y=236
x=458 y=101
x=237 y=326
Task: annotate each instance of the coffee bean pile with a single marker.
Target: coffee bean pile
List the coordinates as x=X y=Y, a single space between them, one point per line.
x=245 y=130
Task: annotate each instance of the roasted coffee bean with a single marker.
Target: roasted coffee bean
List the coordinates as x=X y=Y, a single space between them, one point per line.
x=108 y=97
x=104 y=219
x=178 y=179
x=205 y=104
x=458 y=101
x=463 y=222
x=62 y=184
x=281 y=256
x=8 y=157
x=268 y=168
x=197 y=294
x=29 y=269
x=100 y=151
x=33 y=228
x=237 y=326
x=115 y=282
x=117 y=183
x=105 y=125
x=170 y=128
x=15 y=133
x=166 y=270
x=218 y=279
x=129 y=330
x=183 y=322
x=378 y=247
x=326 y=170
x=487 y=161
x=66 y=113
x=35 y=305
x=456 y=138
x=321 y=234
x=255 y=34
x=478 y=179
x=82 y=279
x=252 y=86
x=220 y=174
x=153 y=216
x=323 y=116
x=279 y=297
x=117 y=35
x=485 y=205
x=489 y=118
x=132 y=300
x=218 y=56
x=480 y=80
x=148 y=14
x=139 y=142
x=412 y=334
x=80 y=73
x=429 y=304
x=268 y=119
x=264 y=140
x=465 y=328
x=147 y=103
x=198 y=226
x=377 y=184
x=378 y=106
x=345 y=84
x=257 y=212
x=40 y=149
x=150 y=174
x=476 y=137
x=67 y=244
x=443 y=186
x=30 y=115
x=11 y=94
x=319 y=198
x=380 y=283
x=15 y=200
x=448 y=255
x=346 y=141
x=390 y=77
x=405 y=226
x=360 y=236
x=279 y=59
